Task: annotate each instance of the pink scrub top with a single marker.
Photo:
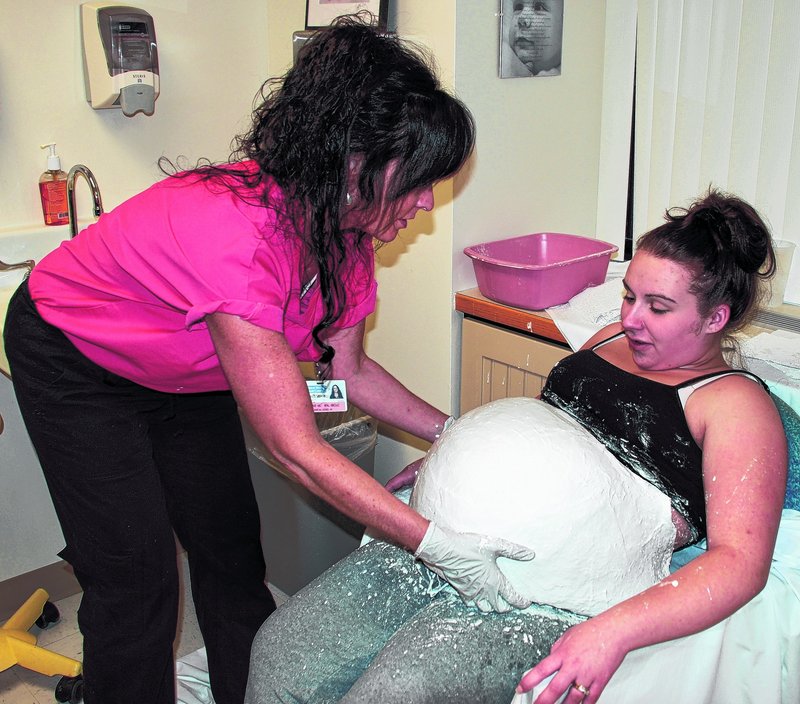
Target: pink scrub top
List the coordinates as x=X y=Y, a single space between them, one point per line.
x=131 y=291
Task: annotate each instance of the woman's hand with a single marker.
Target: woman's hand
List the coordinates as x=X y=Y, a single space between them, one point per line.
x=583 y=660
x=404 y=477
x=469 y=562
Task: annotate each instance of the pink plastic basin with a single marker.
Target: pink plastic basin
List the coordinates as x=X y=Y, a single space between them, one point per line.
x=540 y=270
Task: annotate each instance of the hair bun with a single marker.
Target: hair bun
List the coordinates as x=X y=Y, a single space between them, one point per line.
x=727 y=246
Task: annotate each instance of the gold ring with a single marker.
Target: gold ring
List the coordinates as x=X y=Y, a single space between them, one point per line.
x=582 y=689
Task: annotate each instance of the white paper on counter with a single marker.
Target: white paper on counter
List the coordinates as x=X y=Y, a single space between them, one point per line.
x=592 y=309
x=779 y=347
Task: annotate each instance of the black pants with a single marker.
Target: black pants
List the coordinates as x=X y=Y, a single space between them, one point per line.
x=125 y=465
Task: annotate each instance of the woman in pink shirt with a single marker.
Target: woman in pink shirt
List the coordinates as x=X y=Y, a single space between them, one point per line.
x=133 y=345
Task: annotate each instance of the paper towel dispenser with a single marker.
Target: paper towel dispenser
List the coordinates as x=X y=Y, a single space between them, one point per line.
x=120 y=58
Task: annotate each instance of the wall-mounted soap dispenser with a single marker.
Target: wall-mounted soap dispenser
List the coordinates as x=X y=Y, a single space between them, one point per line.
x=120 y=58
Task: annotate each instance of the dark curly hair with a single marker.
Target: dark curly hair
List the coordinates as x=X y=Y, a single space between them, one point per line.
x=353 y=91
x=727 y=246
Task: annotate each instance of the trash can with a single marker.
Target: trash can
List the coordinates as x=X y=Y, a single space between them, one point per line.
x=303 y=535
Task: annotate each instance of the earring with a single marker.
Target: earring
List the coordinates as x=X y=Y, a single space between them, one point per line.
x=348 y=199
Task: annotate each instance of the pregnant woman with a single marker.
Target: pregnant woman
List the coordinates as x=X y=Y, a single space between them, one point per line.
x=658 y=393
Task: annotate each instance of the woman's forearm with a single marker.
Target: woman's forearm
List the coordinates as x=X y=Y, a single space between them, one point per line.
x=331 y=476
x=270 y=388
x=375 y=391
x=696 y=597
x=699 y=595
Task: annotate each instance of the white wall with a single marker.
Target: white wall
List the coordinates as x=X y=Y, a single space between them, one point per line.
x=538 y=148
x=538 y=138
x=212 y=62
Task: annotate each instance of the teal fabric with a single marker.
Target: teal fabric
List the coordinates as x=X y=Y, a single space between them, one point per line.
x=791 y=426
x=371 y=629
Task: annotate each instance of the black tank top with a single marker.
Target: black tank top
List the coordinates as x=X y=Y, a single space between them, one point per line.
x=641 y=422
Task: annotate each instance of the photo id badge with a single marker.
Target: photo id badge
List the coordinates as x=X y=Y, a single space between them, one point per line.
x=328 y=396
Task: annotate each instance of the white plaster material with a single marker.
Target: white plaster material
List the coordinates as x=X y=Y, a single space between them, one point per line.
x=520 y=469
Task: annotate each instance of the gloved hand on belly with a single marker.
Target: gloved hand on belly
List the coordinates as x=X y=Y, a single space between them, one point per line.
x=468 y=561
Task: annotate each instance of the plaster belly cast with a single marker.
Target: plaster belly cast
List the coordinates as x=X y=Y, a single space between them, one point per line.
x=520 y=469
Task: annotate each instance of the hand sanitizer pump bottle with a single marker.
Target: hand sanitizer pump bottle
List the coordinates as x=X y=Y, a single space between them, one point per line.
x=53 y=190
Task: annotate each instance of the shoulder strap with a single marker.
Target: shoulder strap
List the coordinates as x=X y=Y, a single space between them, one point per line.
x=699 y=381
x=686 y=389
x=615 y=336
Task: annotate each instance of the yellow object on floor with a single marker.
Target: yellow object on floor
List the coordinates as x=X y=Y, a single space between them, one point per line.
x=18 y=646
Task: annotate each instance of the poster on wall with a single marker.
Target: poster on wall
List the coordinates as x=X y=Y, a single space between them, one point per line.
x=320 y=13
x=531 y=34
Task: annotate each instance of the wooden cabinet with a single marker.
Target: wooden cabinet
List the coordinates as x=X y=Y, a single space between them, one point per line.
x=498 y=363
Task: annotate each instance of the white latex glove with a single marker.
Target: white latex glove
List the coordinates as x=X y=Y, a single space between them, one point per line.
x=469 y=562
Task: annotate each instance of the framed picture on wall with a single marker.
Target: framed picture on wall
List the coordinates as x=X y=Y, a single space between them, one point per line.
x=531 y=35
x=320 y=13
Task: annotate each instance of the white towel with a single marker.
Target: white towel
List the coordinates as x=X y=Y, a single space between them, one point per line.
x=779 y=347
x=590 y=310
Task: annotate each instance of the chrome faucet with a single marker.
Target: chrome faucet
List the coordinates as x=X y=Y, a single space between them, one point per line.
x=97 y=201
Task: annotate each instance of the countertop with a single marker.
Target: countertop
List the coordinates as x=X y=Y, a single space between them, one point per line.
x=474 y=304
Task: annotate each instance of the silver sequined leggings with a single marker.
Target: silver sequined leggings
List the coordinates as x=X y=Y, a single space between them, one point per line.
x=377 y=627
